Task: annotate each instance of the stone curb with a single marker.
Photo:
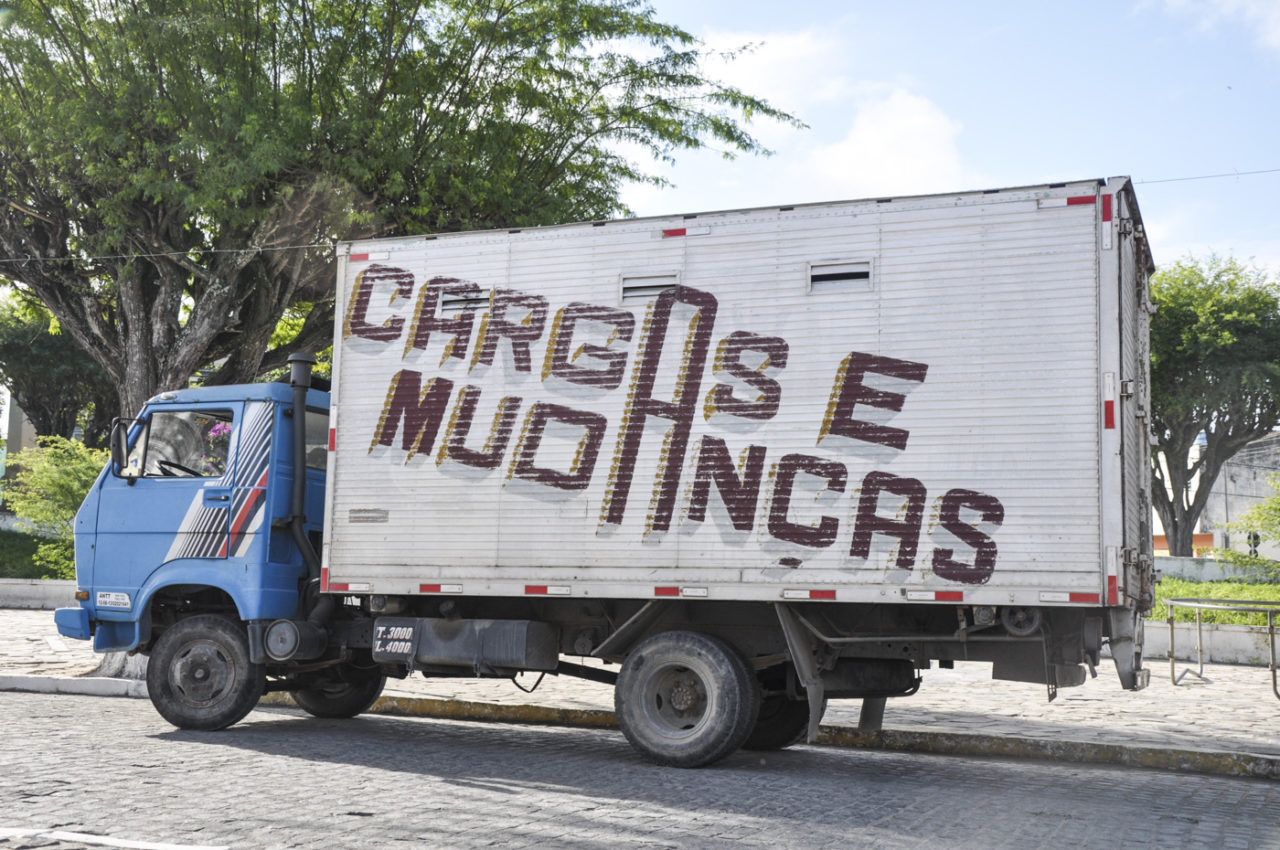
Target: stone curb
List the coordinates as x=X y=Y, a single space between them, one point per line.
x=90 y=686
x=1043 y=749
x=891 y=740
x=37 y=593
x=936 y=743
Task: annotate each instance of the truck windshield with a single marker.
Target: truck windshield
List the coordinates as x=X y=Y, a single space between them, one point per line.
x=184 y=443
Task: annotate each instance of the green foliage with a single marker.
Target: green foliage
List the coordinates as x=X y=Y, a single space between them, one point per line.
x=57 y=385
x=1251 y=568
x=56 y=559
x=1215 y=370
x=53 y=479
x=16 y=552
x=1172 y=588
x=175 y=170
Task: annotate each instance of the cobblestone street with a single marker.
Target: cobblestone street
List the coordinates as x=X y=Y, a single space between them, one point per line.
x=281 y=779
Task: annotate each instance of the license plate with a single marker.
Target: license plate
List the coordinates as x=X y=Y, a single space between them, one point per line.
x=394 y=638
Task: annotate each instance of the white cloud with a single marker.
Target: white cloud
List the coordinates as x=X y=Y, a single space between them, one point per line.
x=800 y=72
x=803 y=66
x=899 y=143
x=867 y=136
x=889 y=142
x=1260 y=16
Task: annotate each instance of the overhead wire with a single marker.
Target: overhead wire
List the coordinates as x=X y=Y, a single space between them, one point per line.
x=159 y=254
x=30 y=258
x=1211 y=176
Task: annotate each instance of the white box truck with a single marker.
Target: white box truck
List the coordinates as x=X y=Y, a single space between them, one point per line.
x=758 y=458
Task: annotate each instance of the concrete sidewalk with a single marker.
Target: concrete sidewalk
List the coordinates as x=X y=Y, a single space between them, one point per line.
x=1227 y=724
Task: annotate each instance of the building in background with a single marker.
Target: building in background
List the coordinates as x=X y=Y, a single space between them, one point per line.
x=1245 y=481
x=17 y=431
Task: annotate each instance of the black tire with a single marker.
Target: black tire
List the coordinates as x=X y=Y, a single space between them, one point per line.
x=686 y=699
x=350 y=691
x=199 y=675
x=782 y=722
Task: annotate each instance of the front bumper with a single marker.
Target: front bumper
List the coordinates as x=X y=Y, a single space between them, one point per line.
x=72 y=622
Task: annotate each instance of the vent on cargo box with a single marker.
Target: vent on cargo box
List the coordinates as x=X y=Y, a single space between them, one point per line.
x=840 y=276
x=462 y=303
x=645 y=287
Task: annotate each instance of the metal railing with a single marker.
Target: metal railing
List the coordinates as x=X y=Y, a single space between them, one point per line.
x=1239 y=606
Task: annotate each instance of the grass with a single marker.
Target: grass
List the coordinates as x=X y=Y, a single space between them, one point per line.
x=16 y=549
x=1174 y=588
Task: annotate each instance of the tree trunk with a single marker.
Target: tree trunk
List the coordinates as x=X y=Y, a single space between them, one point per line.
x=122 y=665
x=1181 y=538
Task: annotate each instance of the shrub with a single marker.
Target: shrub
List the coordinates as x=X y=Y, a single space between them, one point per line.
x=52 y=481
x=17 y=551
x=1173 y=588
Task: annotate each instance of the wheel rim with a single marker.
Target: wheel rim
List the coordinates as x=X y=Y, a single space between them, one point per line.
x=675 y=700
x=202 y=673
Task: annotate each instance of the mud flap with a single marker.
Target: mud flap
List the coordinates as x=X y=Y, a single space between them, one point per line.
x=801 y=650
x=1126 y=648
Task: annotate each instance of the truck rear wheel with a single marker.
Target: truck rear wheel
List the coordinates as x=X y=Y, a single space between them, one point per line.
x=199 y=675
x=349 y=692
x=686 y=699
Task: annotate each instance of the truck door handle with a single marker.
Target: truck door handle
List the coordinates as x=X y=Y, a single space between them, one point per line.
x=219 y=498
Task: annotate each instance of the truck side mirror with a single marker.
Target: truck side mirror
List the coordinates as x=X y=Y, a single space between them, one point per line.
x=120 y=450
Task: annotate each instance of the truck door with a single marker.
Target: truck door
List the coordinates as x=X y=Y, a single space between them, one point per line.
x=178 y=497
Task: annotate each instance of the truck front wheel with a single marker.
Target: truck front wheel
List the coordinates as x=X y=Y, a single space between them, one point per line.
x=199 y=675
x=347 y=692
x=686 y=699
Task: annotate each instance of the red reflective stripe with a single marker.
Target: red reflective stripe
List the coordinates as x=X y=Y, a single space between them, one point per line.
x=326 y=585
x=822 y=594
x=333 y=439
x=675 y=231
x=535 y=589
x=246 y=511
x=1109 y=414
x=1106 y=208
x=1080 y=200
x=1084 y=597
x=949 y=596
x=1113 y=591
x=428 y=588
x=358 y=258
x=666 y=591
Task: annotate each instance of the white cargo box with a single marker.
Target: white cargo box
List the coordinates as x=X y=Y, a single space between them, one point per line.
x=927 y=399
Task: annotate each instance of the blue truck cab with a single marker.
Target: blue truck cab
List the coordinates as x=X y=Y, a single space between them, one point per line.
x=201 y=533
x=198 y=509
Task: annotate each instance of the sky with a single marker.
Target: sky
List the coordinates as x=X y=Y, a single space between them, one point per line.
x=926 y=97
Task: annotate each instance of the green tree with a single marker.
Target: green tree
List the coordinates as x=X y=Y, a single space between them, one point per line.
x=56 y=384
x=172 y=172
x=52 y=481
x=1215 y=378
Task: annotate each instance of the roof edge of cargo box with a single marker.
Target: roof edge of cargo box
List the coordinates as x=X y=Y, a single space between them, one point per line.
x=1124 y=184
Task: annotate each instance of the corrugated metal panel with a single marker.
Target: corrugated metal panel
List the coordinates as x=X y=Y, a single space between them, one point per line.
x=1136 y=347
x=995 y=297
